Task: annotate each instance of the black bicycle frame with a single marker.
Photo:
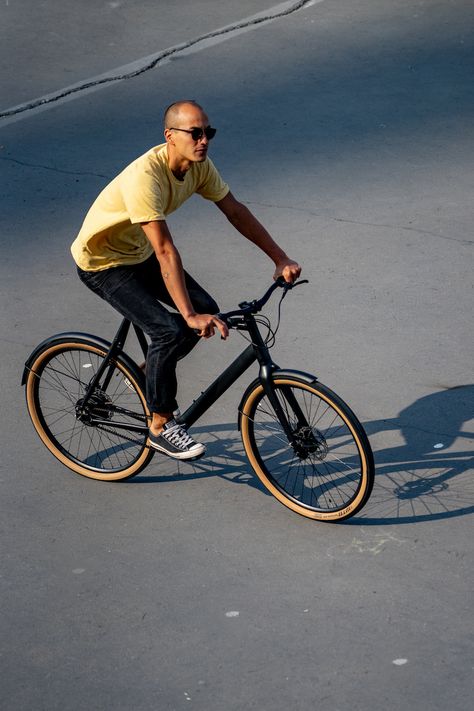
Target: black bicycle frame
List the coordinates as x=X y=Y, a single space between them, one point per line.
x=205 y=401
x=256 y=351
x=217 y=388
x=115 y=348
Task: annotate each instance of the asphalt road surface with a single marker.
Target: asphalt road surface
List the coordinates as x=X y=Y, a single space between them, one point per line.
x=347 y=129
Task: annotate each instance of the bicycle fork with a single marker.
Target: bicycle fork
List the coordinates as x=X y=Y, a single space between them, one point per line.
x=267 y=368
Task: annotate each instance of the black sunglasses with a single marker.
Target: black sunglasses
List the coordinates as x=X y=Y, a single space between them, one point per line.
x=198 y=133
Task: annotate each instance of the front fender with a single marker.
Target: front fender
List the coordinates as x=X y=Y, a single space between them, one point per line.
x=297 y=375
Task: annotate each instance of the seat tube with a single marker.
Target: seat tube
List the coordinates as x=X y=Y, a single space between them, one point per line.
x=117 y=345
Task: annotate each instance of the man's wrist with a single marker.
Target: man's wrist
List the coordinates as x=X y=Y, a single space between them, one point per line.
x=281 y=258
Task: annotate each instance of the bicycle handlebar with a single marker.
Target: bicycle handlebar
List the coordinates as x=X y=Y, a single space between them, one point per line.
x=253 y=307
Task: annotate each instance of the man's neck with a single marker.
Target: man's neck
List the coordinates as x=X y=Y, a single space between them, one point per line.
x=178 y=166
x=180 y=173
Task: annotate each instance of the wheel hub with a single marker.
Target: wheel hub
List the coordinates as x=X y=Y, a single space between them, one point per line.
x=97 y=406
x=308 y=441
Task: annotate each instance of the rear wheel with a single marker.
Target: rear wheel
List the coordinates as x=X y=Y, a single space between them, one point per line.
x=327 y=471
x=105 y=438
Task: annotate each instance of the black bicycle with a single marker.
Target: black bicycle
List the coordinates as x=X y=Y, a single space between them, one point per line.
x=85 y=397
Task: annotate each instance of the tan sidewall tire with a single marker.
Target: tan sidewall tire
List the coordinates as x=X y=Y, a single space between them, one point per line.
x=294 y=506
x=37 y=424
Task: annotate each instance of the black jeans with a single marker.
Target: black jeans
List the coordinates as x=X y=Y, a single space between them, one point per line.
x=136 y=291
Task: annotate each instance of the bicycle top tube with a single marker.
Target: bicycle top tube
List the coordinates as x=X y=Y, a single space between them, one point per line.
x=234 y=319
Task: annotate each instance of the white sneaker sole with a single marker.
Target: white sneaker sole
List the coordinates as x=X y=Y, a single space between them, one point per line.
x=195 y=453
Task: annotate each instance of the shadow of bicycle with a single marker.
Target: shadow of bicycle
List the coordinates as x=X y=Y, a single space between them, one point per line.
x=225 y=458
x=428 y=473
x=424 y=461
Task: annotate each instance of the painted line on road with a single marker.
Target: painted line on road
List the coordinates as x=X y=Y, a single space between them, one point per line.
x=145 y=64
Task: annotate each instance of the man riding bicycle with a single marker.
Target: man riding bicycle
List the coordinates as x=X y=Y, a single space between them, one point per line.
x=125 y=253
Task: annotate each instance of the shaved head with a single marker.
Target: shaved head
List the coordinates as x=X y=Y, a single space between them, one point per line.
x=174 y=111
x=187 y=133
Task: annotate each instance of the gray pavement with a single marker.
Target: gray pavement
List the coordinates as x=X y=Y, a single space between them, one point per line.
x=347 y=128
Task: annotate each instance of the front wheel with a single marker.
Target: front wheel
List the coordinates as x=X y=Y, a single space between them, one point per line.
x=104 y=437
x=322 y=467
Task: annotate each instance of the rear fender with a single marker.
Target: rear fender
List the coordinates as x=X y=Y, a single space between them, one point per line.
x=75 y=337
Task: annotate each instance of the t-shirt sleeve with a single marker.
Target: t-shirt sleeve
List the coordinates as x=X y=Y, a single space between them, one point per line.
x=212 y=187
x=142 y=194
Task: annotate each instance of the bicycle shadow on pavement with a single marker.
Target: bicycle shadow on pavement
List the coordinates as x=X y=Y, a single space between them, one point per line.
x=425 y=473
x=225 y=458
x=428 y=474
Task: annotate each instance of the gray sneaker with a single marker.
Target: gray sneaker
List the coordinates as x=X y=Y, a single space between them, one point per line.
x=174 y=441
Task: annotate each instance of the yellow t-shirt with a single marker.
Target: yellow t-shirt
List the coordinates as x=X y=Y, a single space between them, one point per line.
x=146 y=190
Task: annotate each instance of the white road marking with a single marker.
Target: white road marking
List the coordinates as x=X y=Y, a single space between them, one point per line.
x=127 y=71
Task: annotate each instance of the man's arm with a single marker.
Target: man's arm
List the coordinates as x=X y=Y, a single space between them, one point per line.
x=173 y=276
x=248 y=225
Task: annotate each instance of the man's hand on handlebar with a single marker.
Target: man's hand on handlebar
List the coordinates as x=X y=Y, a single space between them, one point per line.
x=288 y=269
x=205 y=325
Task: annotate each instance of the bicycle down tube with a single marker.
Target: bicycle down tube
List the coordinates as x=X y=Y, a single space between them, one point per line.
x=222 y=383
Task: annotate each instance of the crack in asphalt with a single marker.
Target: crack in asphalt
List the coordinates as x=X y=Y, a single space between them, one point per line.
x=49 y=167
x=165 y=54
x=263 y=204
x=360 y=222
